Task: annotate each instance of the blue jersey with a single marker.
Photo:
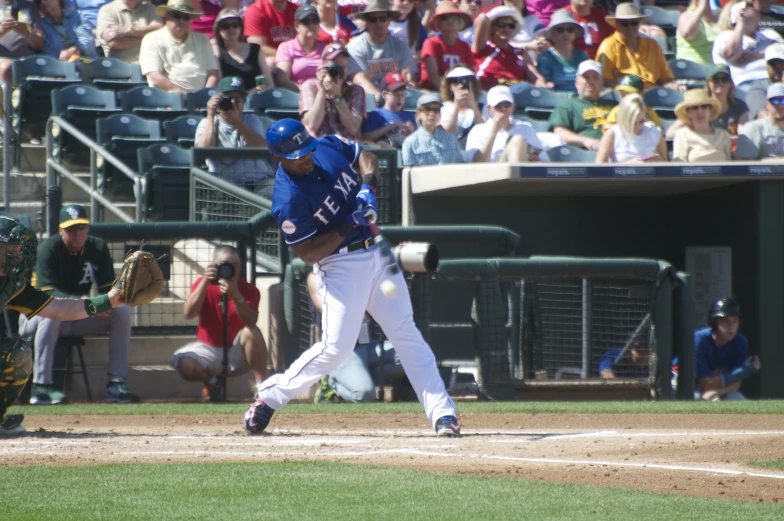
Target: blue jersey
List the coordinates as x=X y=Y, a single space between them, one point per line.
x=709 y=359
x=624 y=368
x=316 y=203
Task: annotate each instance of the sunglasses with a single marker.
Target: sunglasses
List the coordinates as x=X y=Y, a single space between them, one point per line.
x=775 y=62
x=450 y=17
x=179 y=16
x=230 y=25
x=505 y=25
x=776 y=101
x=474 y=2
x=310 y=21
x=633 y=23
x=720 y=79
x=568 y=29
x=76 y=228
x=377 y=19
x=703 y=107
x=431 y=109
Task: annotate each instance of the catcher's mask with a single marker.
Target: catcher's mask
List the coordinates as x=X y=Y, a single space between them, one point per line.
x=13 y=233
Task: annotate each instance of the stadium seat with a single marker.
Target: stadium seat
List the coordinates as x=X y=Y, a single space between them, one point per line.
x=152 y=103
x=520 y=87
x=538 y=103
x=689 y=73
x=111 y=74
x=666 y=124
x=667 y=19
x=167 y=170
x=663 y=100
x=266 y=122
x=181 y=131
x=275 y=103
x=538 y=124
x=80 y=105
x=412 y=96
x=197 y=101
x=570 y=154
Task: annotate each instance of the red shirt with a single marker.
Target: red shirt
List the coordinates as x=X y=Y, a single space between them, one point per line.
x=349 y=7
x=493 y=64
x=264 y=20
x=209 y=330
x=344 y=34
x=596 y=30
x=446 y=56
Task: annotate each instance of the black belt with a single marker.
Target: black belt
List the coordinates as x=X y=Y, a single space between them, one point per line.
x=358 y=245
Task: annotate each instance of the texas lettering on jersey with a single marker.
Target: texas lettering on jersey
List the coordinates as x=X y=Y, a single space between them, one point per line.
x=329 y=207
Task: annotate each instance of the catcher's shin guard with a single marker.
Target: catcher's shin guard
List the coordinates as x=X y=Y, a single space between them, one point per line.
x=16 y=365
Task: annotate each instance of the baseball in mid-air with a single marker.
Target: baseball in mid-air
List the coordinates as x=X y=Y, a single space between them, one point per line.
x=389 y=289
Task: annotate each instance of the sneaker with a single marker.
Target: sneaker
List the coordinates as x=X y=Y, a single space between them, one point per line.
x=325 y=393
x=447 y=426
x=258 y=417
x=118 y=392
x=46 y=395
x=12 y=425
x=213 y=391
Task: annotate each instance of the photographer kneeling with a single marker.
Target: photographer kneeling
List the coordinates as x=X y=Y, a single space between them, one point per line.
x=201 y=361
x=227 y=126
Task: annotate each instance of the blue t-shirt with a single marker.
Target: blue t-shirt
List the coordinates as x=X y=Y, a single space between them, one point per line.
x=624 y=368
x=317 y=203
x=709 y=359
x=382 y=117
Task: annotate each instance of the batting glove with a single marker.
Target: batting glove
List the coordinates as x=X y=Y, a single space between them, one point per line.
x=366 y=198
x=363 y=217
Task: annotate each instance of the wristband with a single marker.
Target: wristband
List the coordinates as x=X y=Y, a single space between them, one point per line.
x=370 y=181
x=96 y=305
x=739 y=373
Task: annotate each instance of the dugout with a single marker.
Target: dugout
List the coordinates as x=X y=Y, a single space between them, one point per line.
x=656 y=212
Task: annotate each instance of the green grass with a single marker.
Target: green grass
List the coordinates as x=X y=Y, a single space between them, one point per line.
x=332 y=491
x=776 y=464
x=699 y=407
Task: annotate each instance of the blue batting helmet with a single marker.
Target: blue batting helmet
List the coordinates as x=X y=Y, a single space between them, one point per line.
x=288 y=138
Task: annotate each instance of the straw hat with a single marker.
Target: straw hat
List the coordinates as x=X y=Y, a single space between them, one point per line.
x=377 y=6
x=503 y=11
x=181 y=6
x=445 y=9
x=626 y=11
x=695 y=98
x=563 y=17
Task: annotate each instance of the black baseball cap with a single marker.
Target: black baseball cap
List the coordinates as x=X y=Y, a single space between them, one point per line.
x=304 y=11
x=72 y=214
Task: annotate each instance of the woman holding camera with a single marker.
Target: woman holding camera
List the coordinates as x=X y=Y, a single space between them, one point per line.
x=327 y=104
x=235 y=56
x=460 y=92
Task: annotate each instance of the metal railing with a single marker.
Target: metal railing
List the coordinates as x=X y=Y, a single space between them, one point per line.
x=53 y=169
x=7 y=133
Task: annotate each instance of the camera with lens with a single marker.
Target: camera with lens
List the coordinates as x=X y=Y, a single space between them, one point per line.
x=225 y=270
x=336 y=71
x=225 y=104
x=465 y=83
x=417 y=257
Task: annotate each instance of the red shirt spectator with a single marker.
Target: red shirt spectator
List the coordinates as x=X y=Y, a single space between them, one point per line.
x=209 y=330
x=447 y=56
x=269 y=27
x=595 y=27
x=445 y=50
x=342 y=34
x=494 y=64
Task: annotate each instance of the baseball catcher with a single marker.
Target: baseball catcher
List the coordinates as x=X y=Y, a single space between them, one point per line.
x=18 y=249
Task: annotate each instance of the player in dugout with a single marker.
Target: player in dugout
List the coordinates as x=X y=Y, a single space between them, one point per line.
x=18 y=250
x=325 y=213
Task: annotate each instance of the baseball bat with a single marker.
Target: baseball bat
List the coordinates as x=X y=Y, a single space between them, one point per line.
x=642 y=325
x=386 y=251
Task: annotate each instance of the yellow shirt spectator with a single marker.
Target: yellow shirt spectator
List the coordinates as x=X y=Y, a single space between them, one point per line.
x=648 y=62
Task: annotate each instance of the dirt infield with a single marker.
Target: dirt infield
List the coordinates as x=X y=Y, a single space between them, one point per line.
x=699 y=455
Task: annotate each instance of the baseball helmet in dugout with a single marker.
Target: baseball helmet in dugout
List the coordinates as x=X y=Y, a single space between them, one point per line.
x=289 y=139
x=12 y=232
x=721 y=308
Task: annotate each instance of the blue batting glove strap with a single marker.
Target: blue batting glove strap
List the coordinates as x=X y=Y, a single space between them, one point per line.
x=739 y=373
x=366 y=197
x=363 y=217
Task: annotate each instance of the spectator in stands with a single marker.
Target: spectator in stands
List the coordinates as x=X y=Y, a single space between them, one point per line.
x=460 y=92
x=774 y=59
x=408 y=28
x=544 y=9
x=18 y=39
x=68 y=265
x=430 y=144
x=501 y=139
x=444 y=49
x=579 y=121
x=497 y=62
x=595 y=27
x=122 y=24
x=60 y=27
x=226 y=127
x=388 y=126
x=471 y=8
x=201 y=361
x=269 y=23
x=697 y=29
x=329 y=105
x=763 y=138
x=558 y=64
x=630 y=84
x=635 y=362
x=334 y=27
x=373 y=53
x=627 y=52
x=698 y=141
x=86 y=32
x=532 y=33
x=174 y=58
x=298 y=59
x=721 y=354
x=742 y=48
x=633 y=139
x=769 y=18
x=236 y=57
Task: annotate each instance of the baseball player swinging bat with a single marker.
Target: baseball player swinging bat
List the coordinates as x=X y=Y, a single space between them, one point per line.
x=386 y=251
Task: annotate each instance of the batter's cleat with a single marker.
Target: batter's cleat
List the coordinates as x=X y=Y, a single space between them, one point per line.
x=118 y=392
x=447 y=426
x=325 y=393
x=12 y=425
x=46 y=395
x=258 y=417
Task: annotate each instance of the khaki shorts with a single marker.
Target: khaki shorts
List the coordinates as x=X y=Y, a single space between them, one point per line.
x=211 y=358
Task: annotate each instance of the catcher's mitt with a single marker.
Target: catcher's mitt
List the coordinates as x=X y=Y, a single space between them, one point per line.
x=140 y=279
